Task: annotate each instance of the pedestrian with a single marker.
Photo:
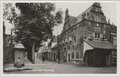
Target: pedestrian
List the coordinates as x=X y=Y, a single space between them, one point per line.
x=43 y=58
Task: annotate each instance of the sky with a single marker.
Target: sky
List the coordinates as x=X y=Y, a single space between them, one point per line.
x=109 y=10
x=76 y=8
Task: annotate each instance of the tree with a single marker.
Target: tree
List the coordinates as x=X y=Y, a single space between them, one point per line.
x=35 y=24
x=9 y=12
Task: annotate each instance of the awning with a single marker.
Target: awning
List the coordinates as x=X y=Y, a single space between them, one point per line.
x=101 y=44
x=90 y=45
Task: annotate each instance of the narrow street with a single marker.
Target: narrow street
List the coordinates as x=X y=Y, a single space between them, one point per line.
x=63 y=68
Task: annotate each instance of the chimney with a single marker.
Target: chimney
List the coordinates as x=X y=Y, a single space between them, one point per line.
x=66 y=13
x=108 y=21
x=97 y=4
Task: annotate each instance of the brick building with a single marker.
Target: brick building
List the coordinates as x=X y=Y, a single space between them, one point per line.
x=88 y=39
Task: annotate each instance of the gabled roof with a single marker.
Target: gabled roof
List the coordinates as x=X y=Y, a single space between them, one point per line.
x=79 y=17
x=19 y=46
x=101 y=44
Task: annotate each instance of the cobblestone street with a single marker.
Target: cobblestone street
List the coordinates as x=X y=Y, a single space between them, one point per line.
x=63 y=68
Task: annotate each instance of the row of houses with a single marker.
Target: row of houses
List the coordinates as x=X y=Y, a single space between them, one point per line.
x=88 y=39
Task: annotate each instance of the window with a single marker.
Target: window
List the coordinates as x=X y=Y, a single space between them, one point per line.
x=77 y=55
x=74 y=38
x=97 y=35
x=68 y=47
x=72 y=55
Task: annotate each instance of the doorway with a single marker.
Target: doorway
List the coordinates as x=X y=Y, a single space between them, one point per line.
x=69 y=57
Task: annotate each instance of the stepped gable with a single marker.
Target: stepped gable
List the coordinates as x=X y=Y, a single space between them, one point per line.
x=93 y=13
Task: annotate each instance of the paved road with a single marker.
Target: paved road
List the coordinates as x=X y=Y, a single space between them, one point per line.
x=63 y=68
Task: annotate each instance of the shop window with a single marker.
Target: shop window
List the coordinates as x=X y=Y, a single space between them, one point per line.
x=72 y=54
x=77 y=55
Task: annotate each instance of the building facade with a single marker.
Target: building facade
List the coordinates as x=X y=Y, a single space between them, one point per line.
x=88 y=39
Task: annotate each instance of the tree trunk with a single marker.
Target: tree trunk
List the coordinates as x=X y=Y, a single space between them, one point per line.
x=33 y=52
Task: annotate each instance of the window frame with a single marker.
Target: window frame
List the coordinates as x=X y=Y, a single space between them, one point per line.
x=77 y=55
x=72 y=55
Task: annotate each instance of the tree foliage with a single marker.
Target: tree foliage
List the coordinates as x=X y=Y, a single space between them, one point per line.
x=36 y=22
x=9 y=12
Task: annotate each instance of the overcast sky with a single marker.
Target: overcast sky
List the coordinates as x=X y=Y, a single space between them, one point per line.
x=75 y=9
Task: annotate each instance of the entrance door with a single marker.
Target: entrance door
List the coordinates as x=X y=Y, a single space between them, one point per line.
x=68 y=57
